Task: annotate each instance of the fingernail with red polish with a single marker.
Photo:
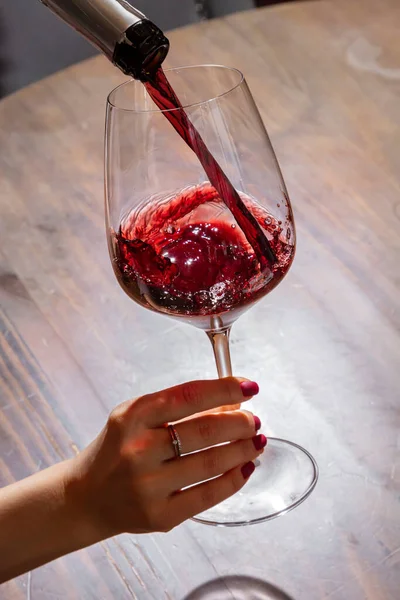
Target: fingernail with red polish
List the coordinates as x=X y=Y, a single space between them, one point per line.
x=260 y=441
x=249 y=388
x=248 y=469
x=257 y=423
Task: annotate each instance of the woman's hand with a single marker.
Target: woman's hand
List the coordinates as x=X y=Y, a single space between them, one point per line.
x=129 y=480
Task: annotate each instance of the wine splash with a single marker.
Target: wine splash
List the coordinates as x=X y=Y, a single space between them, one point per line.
x=171 y=260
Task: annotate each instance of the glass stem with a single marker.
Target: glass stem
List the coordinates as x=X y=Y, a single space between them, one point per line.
x=220 y=343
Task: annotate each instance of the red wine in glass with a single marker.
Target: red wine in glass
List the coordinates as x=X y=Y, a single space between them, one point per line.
x=186 y=255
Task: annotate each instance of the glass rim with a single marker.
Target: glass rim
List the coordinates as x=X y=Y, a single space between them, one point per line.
x=184 y=106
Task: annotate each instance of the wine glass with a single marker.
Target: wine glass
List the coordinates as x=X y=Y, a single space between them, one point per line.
x=177 y=249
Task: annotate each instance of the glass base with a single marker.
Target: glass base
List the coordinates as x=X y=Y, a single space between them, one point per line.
x=238 y=587
x=285 y=476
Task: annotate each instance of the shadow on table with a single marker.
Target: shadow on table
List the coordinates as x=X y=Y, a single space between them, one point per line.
x=237 y=588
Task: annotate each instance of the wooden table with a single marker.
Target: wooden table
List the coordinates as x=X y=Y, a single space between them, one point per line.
x=325 y=346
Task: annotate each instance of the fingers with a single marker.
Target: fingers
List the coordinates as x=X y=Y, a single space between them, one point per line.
x=128 y=476
x=188 y=399
x=210 y=463
x=199 y=498
x=205 y=431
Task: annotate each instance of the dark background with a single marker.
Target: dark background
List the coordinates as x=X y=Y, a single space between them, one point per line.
x=34 y=43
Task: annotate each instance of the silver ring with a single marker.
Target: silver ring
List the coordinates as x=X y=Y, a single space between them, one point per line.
x=176 y=441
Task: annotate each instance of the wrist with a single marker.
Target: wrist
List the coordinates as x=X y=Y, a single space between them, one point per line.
x=42 y=518
x=79 y=504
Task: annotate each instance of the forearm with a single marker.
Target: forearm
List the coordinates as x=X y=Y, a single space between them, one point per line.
x=40 y=520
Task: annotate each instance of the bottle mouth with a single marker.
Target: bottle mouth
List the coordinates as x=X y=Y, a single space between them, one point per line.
x=142 y=50
x=154 y=60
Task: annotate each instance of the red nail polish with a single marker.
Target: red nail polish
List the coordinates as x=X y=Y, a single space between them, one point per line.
x=260 y=441
x=257 y=423
x=248 y=469
x=249 y=388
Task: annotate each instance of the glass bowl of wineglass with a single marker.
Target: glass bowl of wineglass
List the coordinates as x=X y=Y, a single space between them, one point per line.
x=200 y=228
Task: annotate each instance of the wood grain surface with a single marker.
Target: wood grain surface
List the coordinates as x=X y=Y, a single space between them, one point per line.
x=325 y=346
